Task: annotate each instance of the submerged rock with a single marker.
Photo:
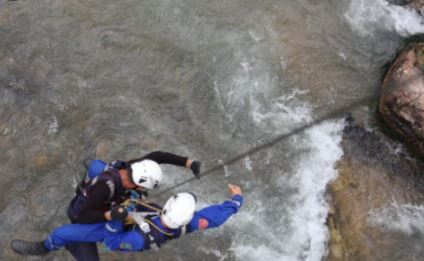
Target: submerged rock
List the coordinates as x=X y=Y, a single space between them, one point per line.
x=417 y=4
x=400 y=2
x=402 y=97
x=375 y=175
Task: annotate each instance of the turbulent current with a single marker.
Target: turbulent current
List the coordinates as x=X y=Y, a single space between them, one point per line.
x=206 y=79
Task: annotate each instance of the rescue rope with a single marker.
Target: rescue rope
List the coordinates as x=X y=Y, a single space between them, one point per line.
x=158 y=228
x=130 y=221
x=128 y=203
x=274 y=141
x=144 y=204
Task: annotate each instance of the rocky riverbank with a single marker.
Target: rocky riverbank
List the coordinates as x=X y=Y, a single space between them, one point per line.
x=401 y=101
x=374 y=173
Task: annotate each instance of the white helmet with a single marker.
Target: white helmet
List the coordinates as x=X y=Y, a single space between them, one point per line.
x=179 y=210
x=146 y=173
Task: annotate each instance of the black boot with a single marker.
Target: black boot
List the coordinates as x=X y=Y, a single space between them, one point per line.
x=28 y=248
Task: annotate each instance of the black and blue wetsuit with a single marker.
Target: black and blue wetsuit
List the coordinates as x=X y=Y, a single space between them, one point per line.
x=90 y=203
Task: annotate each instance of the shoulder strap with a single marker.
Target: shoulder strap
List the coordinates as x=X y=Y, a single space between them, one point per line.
x=111 y=186
x=110 y=178
x=152 y=224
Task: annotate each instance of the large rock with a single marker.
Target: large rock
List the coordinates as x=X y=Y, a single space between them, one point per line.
x=402 y=97
x=417 y=4
x=376 y=178
x=400 y=2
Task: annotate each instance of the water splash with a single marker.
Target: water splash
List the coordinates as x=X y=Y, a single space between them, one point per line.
x=285 y=213
x=314 y=171
x=369 y=17
x=53 y=127
x=406 y=218
x=298 y=232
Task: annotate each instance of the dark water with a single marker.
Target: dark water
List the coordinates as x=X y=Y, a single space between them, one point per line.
x=206 y=79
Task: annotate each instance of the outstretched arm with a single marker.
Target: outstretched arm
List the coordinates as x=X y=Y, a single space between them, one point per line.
x=162 y=157
x=216 y=215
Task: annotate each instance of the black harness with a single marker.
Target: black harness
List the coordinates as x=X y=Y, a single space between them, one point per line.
x=117 y=195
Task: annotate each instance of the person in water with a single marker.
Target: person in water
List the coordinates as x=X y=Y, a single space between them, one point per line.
x=107 y=185
x=148 y=226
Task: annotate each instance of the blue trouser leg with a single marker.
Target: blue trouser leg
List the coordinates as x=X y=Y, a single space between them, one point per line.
x=76 y=233
x=125 y=241
x=109 y=233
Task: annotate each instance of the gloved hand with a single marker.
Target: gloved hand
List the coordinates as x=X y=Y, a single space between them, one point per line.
x=118 y=212
x=195 y=168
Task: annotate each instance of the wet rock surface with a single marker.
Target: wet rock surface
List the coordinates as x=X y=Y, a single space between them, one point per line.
x=400 y=2
x=374 y=173
x=402 y=97
x=418 y=4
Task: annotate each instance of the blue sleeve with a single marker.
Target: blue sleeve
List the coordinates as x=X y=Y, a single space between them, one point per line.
x=95 y=168
x=215 y=215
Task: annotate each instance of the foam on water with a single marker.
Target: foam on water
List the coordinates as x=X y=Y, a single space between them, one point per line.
x=406 y=218
x=315 y=171
x=299 y=232
x=285 y=211
x=248 y=163
x=53 y=127
x=367 y=17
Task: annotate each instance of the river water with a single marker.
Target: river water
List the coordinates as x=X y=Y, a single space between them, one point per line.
x=206 y=79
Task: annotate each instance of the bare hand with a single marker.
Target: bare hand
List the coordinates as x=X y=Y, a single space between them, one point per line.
x=234 y=190
x=107 y=216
